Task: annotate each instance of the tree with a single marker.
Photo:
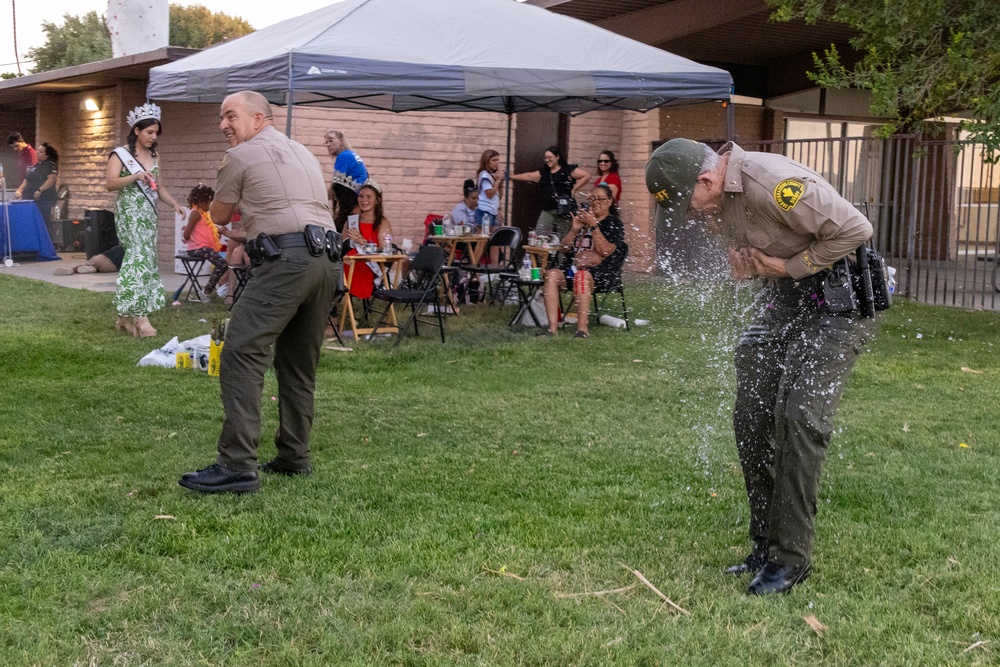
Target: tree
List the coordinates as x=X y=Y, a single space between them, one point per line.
x=80 y=39
x=921 y=59
x=195 y=27
x=85 y=39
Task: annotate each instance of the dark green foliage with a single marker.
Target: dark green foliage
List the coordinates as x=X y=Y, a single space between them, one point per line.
x=921 y=59
x=84 y=39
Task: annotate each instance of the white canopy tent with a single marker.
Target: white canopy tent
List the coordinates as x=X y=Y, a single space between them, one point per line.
x=442 y=55
x=445 y=55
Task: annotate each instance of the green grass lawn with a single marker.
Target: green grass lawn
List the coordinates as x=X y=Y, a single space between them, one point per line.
x=465 y=494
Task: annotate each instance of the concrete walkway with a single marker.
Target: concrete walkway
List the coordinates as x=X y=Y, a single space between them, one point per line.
x=95 y=282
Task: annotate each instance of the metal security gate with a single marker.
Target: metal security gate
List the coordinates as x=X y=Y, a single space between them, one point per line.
x=935 y=207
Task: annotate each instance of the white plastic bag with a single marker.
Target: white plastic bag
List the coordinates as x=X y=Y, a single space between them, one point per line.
x=537 y=306
x=165 y=356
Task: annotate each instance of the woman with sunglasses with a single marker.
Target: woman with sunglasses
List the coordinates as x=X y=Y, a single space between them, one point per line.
x=593 y=248
x=607 y=172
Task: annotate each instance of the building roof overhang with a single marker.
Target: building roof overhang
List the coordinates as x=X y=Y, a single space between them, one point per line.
x=19 y=93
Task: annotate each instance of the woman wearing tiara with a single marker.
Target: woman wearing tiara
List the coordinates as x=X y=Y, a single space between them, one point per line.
x=133 y=171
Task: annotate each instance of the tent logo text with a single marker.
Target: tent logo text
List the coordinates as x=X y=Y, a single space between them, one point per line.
x=316 y=70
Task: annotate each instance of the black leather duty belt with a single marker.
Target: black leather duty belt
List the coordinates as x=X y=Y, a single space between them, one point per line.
x=291 y=240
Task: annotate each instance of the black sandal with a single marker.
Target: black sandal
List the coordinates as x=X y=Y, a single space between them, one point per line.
x=546 y=332
x=581 y=334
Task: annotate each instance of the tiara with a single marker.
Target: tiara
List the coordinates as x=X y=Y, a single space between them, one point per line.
x=340 y=178
x=145 y=111
x=373 y=184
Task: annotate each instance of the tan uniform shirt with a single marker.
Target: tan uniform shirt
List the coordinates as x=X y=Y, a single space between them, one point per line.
x=276 y=183
x=787 y=210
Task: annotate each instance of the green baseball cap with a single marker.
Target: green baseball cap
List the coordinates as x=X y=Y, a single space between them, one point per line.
x=671 y=174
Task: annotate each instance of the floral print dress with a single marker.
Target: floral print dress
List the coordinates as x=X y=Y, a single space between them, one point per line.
x=140 y=290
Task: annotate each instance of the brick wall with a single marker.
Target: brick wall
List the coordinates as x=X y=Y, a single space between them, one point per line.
x=707 y=122
x=638 y=208
x=87 y=138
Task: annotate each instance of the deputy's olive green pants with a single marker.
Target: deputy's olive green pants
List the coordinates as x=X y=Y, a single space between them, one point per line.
x=280 y=318
x=791 y=366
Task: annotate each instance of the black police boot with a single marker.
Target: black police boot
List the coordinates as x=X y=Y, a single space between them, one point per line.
x=750 y=565
x=776 y=578
x=275 y=466
x=218 y=479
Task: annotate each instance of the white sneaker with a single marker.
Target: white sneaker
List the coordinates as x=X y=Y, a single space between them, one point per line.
x=86 y=268
x=63 y=271
x=206 y=297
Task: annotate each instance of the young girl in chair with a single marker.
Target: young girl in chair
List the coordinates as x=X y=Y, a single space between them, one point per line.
x=202 y=236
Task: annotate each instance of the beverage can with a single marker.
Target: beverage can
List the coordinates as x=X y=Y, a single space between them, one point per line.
x=536 y=273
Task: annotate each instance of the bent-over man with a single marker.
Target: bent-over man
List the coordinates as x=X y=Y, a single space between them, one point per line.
x=784 y=224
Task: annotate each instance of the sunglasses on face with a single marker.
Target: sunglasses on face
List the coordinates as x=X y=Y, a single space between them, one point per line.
x=607 y=161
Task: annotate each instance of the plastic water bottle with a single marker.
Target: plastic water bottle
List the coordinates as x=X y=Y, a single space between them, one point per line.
x=387 y=244
x=447 y=224
x=890 y=283
x=486 y=227
x=525 y=272
x=571 y=271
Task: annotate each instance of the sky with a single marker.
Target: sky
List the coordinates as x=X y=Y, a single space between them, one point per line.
x=31 y=13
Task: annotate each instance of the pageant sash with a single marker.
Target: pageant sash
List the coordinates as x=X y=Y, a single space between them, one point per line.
x=134 y=168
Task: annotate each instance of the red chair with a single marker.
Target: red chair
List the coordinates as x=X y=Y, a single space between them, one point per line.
x=429 y=222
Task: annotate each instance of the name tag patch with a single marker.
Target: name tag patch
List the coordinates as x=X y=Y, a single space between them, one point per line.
x=787 y=194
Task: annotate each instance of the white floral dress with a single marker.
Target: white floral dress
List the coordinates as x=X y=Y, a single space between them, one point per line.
x=140 y=290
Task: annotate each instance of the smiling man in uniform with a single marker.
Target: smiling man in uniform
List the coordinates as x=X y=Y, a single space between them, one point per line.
x=281 y=315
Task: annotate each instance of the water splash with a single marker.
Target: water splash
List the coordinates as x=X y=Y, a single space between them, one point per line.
x=695 y=284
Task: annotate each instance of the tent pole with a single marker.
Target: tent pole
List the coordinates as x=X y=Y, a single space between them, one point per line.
x=290 y=98
x=506 y=176
x=731 y=116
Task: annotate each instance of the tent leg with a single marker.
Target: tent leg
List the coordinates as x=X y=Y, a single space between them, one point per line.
x=731 y=117
x=288 y=120
x=506 y=189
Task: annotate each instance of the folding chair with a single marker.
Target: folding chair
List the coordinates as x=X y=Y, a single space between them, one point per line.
x=420 y=288
x=507 y=240
x=193 y=267
x=614 y=287
x=243 y=276
x=332 y=320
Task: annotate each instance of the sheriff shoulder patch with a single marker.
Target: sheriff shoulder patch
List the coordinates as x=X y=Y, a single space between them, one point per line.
x=787 y=194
